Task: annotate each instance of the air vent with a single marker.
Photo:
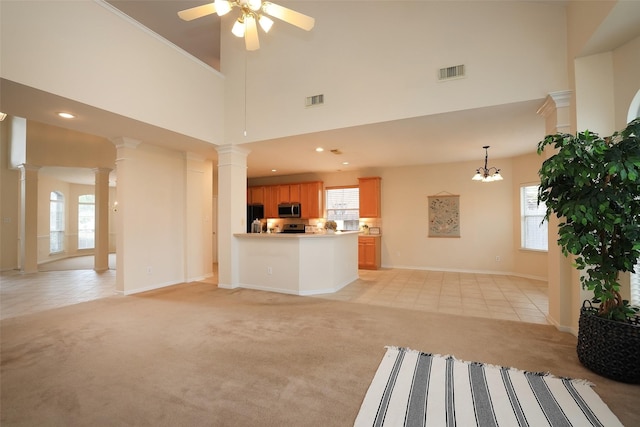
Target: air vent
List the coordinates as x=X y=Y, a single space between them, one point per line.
x=314 y=100
x=448 y=73
x=336 y=151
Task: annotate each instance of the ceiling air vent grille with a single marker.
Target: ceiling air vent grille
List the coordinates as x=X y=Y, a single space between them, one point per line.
x=314 y=100
x=448 y=73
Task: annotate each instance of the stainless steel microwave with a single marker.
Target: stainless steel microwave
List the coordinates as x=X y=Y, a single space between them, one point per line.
x=289 y=210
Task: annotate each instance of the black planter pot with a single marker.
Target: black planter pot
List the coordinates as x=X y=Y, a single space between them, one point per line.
x=609 y=348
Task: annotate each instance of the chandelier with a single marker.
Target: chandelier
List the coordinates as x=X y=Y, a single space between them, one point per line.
x=252 y=13
x=486 y=174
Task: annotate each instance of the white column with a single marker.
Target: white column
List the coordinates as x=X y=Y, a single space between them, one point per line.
x=29 y=218
x=562 y=287
x=101 y=251
x=232 y=210
x=126 y=202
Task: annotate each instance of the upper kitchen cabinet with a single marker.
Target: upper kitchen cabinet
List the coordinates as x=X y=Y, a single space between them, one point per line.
x=369 y=197
x=256 y=195
x=289 y=193
x=311 y=199
x=271 y=201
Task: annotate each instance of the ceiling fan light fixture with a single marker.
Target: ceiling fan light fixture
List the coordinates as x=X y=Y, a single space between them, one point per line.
x=222 y=7
x=254 y=5
x=251 y=40
x=265 y=23
x=238 y=28
x=251 y=13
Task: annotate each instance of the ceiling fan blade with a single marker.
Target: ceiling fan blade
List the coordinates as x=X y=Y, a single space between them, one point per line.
x=197 y=12
x=251 y=40
x=290 y=16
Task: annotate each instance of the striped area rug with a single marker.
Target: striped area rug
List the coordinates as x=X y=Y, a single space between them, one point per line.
x=412 y=388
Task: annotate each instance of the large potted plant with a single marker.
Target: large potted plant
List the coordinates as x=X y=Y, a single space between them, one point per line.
x=592 y=184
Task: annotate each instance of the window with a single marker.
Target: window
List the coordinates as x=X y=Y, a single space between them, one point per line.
x=343 y=207
x=635 y=286
x=86 y=221
x=533 y=229
x=56 y=222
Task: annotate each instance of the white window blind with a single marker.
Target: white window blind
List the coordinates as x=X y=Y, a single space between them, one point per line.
x=533 y=229
x=635 y=286
x=86 y=221
x=56 y=222
x=343 y=207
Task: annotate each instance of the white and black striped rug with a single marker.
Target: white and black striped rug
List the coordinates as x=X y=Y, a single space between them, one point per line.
x=412 y=388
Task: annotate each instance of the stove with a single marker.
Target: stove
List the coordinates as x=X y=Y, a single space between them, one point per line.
x=293 y=228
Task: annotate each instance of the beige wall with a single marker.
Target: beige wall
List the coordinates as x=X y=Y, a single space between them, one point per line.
x=626 y=84
x=71 y=192
x=489 y=215
x=9 y=207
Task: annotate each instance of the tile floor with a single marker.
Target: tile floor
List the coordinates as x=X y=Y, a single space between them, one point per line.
x=468 y=294
x=22 y=294
x=479 y=295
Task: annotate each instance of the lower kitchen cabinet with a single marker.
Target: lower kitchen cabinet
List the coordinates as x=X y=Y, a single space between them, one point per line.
x=369 y=252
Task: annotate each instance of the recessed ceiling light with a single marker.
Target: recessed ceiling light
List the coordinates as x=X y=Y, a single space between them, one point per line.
x=274 y=170
x=66 y=115
x=319 y=149
x=345 y=163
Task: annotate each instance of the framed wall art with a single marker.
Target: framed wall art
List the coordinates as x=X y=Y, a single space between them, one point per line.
x=444 y=216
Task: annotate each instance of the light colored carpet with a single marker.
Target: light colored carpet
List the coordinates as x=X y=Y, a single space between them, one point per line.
x=196 y=355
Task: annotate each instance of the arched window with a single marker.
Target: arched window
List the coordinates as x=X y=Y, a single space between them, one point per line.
x=86 y=221
x=56 y=222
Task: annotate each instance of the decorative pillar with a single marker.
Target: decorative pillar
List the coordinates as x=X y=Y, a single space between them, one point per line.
x=126 y=197
x=28 y=218
x=561 y=274
x=101 y=251
x=232 y=211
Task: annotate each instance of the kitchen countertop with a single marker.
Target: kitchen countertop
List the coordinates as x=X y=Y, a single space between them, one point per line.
x=293 y=235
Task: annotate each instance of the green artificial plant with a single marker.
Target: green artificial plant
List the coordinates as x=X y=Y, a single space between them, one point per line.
x=592 y=184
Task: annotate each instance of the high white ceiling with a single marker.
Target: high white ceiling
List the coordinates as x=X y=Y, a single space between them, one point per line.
x=452 y=137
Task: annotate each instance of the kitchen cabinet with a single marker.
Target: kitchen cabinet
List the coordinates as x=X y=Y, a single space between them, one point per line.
x=369 y=197
x=308 y=194
x=289 y=193
x=256 y=195
x=369 y=252
x=311 y=199
x=271 y=201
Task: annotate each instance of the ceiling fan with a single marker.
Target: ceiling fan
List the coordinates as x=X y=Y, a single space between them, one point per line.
x=252 y=12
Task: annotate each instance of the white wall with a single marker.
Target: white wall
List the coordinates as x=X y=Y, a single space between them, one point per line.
x=368 y=76
x=85 y=51
x=164 y=215
x=199 y=218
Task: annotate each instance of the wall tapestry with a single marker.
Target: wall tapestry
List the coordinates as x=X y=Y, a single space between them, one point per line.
x=444 y=216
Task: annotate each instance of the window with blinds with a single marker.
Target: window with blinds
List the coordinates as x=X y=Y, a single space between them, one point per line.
x=56 y=222
x=343 y=207
x=635 y=286
x=86 y=221
x=533 y=230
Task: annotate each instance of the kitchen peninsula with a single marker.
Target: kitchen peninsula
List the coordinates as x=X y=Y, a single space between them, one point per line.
x=300 y=264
